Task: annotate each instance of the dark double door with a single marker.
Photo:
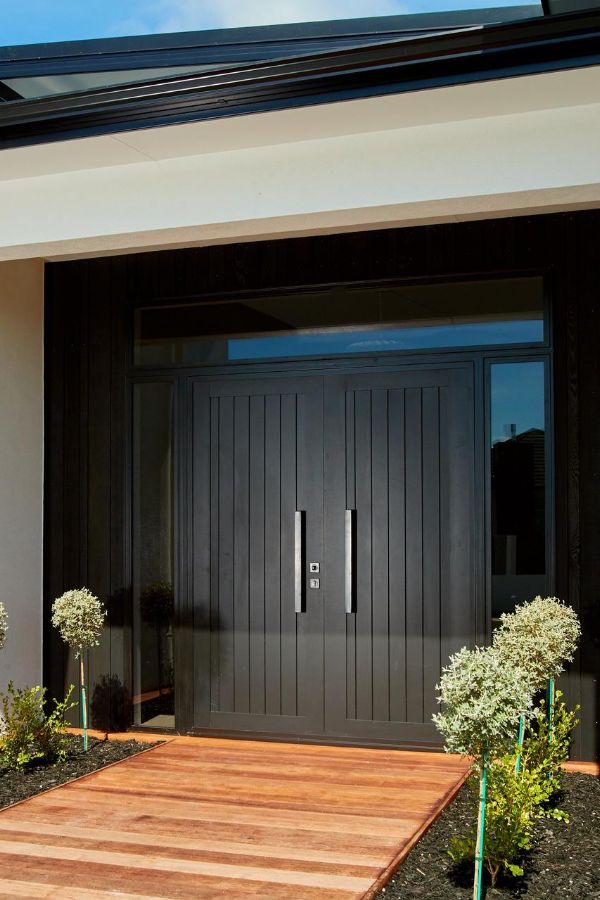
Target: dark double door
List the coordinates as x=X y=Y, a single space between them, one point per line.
x=368 y=477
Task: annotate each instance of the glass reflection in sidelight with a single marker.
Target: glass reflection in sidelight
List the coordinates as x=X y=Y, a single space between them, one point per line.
x=518 y=484
x=153 y=597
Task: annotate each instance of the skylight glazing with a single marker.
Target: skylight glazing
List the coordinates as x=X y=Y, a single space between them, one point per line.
x=49 y=70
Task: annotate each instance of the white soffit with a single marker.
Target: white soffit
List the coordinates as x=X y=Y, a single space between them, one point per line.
x=515 y=146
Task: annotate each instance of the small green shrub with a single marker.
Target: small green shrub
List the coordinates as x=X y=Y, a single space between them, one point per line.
x=545 y=753
x=517 y=800
x=513 y=807
x=28 y=733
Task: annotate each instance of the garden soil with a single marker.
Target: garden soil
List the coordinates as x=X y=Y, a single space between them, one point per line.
x=16 y=786
x=564 y=863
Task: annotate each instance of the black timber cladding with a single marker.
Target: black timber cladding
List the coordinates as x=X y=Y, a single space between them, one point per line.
x=87 y=346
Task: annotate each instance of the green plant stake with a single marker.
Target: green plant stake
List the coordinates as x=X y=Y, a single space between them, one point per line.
x=550 y=714
x=83 y=703
x=480 y=830
x=520 y=743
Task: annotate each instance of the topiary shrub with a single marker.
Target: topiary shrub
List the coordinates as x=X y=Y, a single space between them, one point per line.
x=482 y=698
x=79 y=616
x=540 y=636
x=481 y=692
x=518 y=798
x=28 y=734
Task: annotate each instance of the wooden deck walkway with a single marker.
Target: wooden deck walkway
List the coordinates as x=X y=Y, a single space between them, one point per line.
x=207 y=818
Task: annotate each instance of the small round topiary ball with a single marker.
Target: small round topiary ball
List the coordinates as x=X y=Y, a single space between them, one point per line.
x=540 y=636
x=482 y=697
x=79 y=616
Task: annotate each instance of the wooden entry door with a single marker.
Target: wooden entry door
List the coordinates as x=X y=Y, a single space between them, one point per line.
x=257 y=516
x=380 y=467
x=399 y=527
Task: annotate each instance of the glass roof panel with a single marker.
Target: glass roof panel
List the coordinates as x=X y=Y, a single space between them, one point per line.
x=70 y=21
x=47 y=70
x=48 y=85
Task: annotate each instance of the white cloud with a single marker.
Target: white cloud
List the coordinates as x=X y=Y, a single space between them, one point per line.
x=186 y=15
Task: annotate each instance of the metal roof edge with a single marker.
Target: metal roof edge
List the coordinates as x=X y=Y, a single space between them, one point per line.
x=336 y=28
x=455 y=57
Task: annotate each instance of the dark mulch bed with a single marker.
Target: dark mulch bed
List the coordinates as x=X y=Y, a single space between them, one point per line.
x=564 y=862
x=20 y=785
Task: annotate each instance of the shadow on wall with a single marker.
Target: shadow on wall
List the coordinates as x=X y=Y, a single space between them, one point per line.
x=110 y=705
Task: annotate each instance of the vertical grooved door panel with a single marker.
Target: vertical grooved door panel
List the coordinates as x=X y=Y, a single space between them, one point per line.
x=396 y=447
x=399 y=451
x=257 y=449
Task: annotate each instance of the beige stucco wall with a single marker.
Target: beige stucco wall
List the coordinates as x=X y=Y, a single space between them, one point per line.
x=21 y=467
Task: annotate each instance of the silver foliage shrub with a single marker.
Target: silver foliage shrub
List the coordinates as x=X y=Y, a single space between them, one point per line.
x=3 y=624
x=541 y=635
x=79 y=616
x=482 y=696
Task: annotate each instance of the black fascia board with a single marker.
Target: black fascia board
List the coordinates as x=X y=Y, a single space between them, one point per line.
x=478 y=54
x=234 y=44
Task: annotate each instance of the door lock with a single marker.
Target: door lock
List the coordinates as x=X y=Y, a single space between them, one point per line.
x=314 y=583
x=314 y=567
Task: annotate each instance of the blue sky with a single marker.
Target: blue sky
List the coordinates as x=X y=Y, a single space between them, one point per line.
x=33 y=21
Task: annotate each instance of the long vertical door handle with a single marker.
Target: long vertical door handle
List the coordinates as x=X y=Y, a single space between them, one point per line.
x=350 y=523
x=299 y=560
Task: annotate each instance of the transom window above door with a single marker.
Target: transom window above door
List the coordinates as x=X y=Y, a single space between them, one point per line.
x=343 y=321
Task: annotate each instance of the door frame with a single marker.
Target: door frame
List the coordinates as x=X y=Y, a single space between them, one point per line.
x=185 y=639
x=478 y=358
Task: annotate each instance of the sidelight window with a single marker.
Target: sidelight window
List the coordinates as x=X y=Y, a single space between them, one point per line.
x=152 y=520
x=342 y=321
x=519 y=495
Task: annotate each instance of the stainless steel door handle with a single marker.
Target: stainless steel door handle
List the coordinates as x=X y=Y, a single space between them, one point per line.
x=299 y=530
x=350 y=532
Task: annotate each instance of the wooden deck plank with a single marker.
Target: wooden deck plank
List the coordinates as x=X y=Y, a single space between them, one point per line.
x=35 y=891
x=204 y=817
x=39 y=832
x=254 y=814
